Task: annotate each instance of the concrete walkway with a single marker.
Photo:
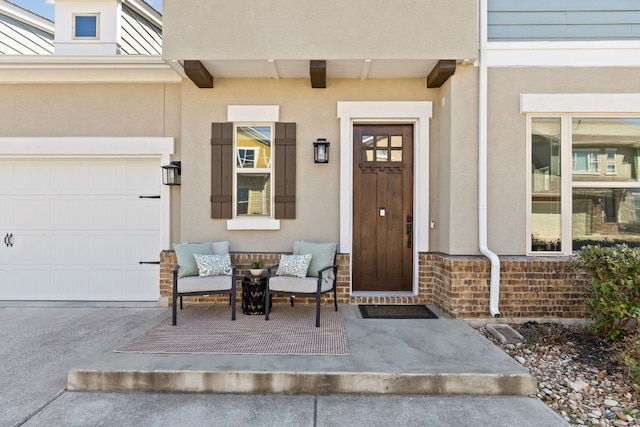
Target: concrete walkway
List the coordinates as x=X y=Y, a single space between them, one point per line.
x=43 y=343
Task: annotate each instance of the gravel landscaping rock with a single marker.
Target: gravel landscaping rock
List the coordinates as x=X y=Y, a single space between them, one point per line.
x=577 y=374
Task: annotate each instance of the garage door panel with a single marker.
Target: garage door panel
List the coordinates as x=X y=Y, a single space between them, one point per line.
x=6 y=214
x=142 y=247
x=69 y=177
x=31 y=281
x=68 y=212
x=107 y=213
x=7 y=281
x=30 y=248
x=70 y=283
x=142 y=214
x=28 y=179
x=31 y=212
x=80 y=229
x=69 y=249
x=141 y=178
x=112 y=247
x=105 y=284
x=135 y=288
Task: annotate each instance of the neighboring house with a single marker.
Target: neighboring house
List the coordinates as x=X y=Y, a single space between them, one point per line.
x=473 y=144
x=89 y=113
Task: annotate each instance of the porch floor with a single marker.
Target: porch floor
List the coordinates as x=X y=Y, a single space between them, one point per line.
x=432 y=357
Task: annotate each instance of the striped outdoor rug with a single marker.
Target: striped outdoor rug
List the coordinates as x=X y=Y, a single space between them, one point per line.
x=208 y=329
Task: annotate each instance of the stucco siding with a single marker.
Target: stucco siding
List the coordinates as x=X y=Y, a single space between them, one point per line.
x=85 y=110
x=331 y=29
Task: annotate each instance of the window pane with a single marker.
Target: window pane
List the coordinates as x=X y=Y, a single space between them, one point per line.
x=396 y=141
x=396 y=155
x=367 y=141
x=605 y=215
x=253 y=147
x=382 y=155
x=546 y=220
x=86 y=26
x=613 y=142
x=382 y=141
x=254 y=194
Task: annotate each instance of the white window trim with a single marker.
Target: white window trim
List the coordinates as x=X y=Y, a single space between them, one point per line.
x=253 y=114
x=563 y=105
x=417 y=113
x=73 y=25
x=620 y=53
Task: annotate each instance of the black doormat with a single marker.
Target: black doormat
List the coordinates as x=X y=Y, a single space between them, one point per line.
x=396 y=312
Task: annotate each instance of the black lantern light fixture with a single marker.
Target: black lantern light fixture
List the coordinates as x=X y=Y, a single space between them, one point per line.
x=171 y=174
x=321 y=151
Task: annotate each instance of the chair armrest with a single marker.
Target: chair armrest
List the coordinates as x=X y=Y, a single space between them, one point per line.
x=326 y=268
x=270 y=267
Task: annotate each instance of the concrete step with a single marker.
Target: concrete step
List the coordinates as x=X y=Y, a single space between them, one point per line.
x=429 y=357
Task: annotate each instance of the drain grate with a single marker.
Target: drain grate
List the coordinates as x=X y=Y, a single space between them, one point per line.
x=396 y=312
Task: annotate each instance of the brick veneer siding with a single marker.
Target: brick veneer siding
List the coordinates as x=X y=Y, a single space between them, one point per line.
x=530 y=287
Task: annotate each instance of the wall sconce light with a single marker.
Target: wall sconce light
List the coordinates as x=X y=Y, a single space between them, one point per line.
x=171 y=174
x=321 y=151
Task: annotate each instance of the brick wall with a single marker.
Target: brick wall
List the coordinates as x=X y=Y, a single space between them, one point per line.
x=530 y=287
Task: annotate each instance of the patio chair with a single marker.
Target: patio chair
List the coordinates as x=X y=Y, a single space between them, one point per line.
x=310 y=272
x=203 y=269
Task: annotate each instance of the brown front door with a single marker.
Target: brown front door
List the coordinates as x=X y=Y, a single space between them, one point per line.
x=382 y=207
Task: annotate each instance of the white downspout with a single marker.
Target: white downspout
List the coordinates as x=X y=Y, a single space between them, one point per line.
x=494 y=286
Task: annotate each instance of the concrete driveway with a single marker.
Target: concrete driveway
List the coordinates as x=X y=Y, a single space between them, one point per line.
x=41 y=342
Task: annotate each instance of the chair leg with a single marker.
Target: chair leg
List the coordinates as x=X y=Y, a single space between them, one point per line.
x=335 y=297
x=317 y=311
x=233 y=305
x=174 y=308
x=267 y=299
x=291 y=300
x=180 y=302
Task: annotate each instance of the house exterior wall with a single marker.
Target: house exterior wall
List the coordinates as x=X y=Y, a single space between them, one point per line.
x=89 y=110
x=332 y=29
x=317 y=186
x=508 y=139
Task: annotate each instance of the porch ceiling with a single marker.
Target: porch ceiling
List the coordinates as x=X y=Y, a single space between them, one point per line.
x=336 y=69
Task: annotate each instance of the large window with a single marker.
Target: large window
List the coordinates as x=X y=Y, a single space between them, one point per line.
x=253 y=170
x=598 y=201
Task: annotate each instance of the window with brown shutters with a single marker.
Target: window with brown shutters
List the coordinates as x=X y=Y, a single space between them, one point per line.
x=247 y=163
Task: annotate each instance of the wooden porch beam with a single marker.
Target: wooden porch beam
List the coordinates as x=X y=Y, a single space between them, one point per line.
x=198 y=74
x=318 y=73
x=441 y=73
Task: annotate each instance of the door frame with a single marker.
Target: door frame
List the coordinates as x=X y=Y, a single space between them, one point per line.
x=417 y=113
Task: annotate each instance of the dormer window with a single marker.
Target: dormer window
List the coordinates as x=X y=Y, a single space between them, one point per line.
x=85 y=26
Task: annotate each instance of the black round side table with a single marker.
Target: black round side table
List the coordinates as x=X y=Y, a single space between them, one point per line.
x=253 y=293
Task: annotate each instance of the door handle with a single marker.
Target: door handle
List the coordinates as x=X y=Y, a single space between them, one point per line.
x=409 y=231
x=8 y=240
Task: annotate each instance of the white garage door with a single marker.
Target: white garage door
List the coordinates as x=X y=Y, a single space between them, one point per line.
x=77 y=229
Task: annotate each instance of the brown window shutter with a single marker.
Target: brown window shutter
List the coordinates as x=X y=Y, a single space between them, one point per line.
x=222 y=170
x=285 y=171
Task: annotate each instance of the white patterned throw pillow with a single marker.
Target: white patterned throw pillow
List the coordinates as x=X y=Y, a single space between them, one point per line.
x=213 y=265
x=294 y=265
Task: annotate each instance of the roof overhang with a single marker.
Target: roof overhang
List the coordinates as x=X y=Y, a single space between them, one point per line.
x=317 y=70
